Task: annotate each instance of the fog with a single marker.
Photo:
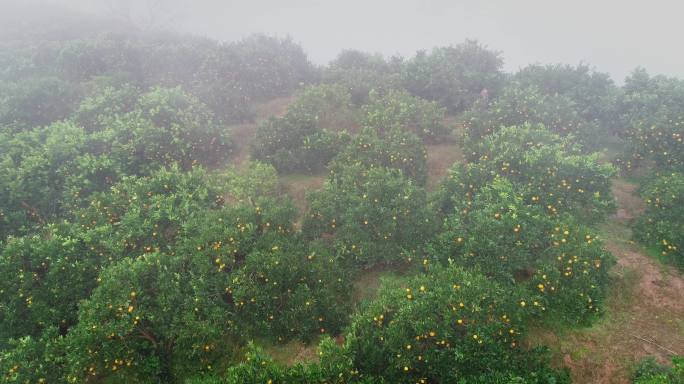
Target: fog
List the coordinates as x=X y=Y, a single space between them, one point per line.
x=614 y=36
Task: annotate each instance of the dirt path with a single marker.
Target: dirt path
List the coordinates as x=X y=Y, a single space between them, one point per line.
x=645 y=308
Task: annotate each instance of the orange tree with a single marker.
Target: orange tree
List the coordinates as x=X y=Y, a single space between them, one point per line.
x=151 y=317
x=653 y=113
x=299 y=141
x=360 y=73
x=552 y=173
x=96 y=110
x=445 y=325
x=394 y=110
x=453 y=76
x=34 y=270
x=593 y=93
x=279 y=286
x=517 y=105
x=560 y=265
x=331 y=104
x=36 y=101
x=167 y=125
x=371 y=215
x=396 y=149
x=46 y=172
x=662 y=225
x=33 y=359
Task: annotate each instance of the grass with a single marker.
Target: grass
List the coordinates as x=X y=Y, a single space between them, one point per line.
x=292 y=352
x=367 y=283
x=296 y=186
x=591 y=349
x=441 y=157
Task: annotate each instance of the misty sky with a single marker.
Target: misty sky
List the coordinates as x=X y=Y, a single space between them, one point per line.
x=614 y=36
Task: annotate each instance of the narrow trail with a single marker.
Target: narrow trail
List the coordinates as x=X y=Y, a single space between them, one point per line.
x=645 y=308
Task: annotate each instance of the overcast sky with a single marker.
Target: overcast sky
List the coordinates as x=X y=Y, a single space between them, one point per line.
x=615 y=36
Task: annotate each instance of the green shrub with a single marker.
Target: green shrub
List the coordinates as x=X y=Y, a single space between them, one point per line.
x=373 y=215
x=662 y=225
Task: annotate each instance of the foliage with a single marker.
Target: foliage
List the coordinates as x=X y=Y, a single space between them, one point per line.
x=43 y=172
x=257 y=68
x=146 y=214
x=255 y=180
x=33 y=271
x=47 y=171
x=398 y=110
x=551 y=171
x=593 y=93
x=331 y=104
x=360 y=73
x=453 y=76
x=280 y=288
x=296 y=143
x=259 y=368
x=36 y=102
x=227 y=77
x=154 y=316
x=517 y=105
x=373 y=215
x=443 y=326
x=396 y=149
x=206 y=278
x=167 y=126
x=560 y=264
x=649 y=372
x=96 y=111
x=652 y=110
x=662 y=225
x=32 y=360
